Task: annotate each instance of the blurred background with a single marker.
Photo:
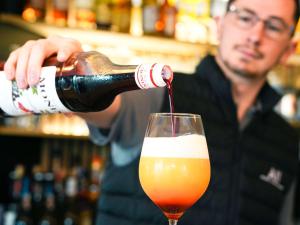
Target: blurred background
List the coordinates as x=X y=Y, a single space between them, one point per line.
x=49 y=169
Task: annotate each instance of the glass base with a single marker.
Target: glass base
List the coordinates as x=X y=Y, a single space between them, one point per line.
x=172 y=222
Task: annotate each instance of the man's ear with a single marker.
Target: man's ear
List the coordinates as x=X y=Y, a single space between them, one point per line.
x=219 y=20
x=291 y=49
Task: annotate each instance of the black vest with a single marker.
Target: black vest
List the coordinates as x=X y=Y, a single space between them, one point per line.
x=252 y=169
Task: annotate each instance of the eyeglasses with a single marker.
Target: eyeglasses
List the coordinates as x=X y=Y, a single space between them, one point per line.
x=275 y=28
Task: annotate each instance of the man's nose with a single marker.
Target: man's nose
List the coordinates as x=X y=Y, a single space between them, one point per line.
x=257 y=33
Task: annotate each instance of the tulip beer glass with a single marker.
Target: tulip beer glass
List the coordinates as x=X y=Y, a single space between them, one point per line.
x=174 y=167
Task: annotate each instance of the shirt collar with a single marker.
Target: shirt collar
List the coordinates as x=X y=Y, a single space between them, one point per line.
x=210 y=70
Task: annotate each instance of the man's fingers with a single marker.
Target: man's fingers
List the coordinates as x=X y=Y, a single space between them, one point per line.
x=39 y=52
x=22 y=63
x=66 y=47
x=10 y=65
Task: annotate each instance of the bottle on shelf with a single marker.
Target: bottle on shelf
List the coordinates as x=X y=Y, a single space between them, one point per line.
x=85 y=14
x=71 y=20
x=167 y=19
x=49 y=214
x=24 y=216
x=121 y=10
x=37 y=192
x=15 y=192
x=71 y=214
x=150 y=17
x=16 y=178
x=136 y=18
x=86 y=82
x=192 y=20
x=103 y=9
x=57 y=12
x=1 y=214
x=10 y=214
x=34 y=11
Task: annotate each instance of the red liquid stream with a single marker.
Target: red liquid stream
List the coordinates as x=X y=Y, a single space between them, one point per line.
x=171 y=97
x=171 y=100
x=171 y=211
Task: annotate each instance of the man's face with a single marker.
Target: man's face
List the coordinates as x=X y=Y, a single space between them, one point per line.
x=251 y=51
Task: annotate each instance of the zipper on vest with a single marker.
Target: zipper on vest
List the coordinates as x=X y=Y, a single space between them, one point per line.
x=233 y=218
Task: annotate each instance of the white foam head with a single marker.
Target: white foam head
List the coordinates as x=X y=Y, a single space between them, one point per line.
x=188 y=146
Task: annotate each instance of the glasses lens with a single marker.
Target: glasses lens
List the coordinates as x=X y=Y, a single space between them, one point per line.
x=245 y=19
x=274 y=28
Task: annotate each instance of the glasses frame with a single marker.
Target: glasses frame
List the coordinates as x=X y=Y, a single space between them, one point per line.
x=233 y=9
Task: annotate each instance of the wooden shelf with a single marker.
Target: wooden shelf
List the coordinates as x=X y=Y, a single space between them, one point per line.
x=124 y=48
x=46 y=126
x=25 y=132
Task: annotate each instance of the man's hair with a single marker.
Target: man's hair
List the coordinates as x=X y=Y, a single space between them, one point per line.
x=296 y=14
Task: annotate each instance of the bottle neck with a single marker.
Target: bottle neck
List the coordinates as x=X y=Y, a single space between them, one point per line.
x=123 y=69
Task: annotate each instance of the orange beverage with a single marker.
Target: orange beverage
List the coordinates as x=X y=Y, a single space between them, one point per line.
x=174 y=172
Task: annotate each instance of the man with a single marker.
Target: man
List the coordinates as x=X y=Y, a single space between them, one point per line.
x=253 y=151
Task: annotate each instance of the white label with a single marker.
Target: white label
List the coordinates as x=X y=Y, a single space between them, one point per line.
x=38 y=99
x=170 y=21
x=61 y=4
x=150 y=17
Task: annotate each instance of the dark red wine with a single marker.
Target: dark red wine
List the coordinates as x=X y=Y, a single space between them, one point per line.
x=170 y=93
x=172 y=110
x=86 y=93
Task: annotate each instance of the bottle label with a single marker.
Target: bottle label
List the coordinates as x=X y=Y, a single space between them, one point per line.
x=38 y=99
x=152 y=75
x=150 y=17
x=61 y=5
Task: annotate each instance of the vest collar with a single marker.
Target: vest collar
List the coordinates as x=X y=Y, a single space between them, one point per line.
x=209 y=69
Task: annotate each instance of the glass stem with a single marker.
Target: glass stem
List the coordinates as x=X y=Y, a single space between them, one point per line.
x=172 y=222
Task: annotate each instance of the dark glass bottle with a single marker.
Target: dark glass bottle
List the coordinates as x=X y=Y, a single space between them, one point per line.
x=37 y=192
x=24 y=216
x=86 y=82
x=71 y=214
x=167 y=19
x=49 y=216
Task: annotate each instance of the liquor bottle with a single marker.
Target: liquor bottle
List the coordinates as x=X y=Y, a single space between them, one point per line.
x=49 y=216
x=191 y=23
x=16 y=178
x=85 y=15
x=103 y=9
x=37 y=192
x=136 y=18
x=120 y=18
x=10 y=215
x=167 y=19
x=71 y=215
x=34 y=10
x=150 y=17
x=86 y=82
x=60 y=12
x=1 y=214
x=24 y=216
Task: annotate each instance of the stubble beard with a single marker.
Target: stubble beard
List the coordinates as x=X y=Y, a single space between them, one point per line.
x=242 y=73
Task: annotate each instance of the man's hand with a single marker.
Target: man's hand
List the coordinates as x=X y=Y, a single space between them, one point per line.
x=24 y=64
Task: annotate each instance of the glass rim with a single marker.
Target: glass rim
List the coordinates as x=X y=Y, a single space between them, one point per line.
x=187 y=115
